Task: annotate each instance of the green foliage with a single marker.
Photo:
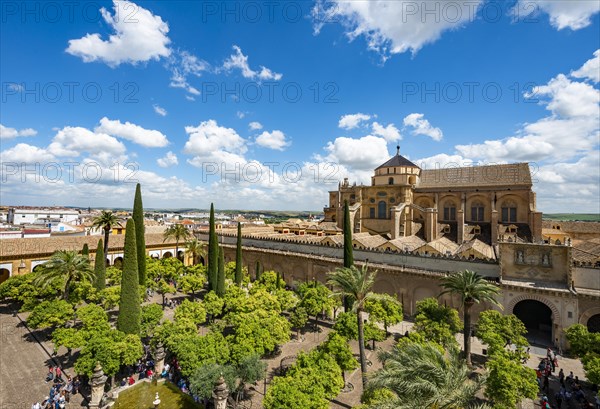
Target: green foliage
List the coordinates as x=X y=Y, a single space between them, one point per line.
x=298 y=318
x=586 y=345
x=384 y=309
x=112 y=349
x=270 y=281
x=213 y=304
x=106 y=221
x=161 y=273
x=110 y=296
x=251 y=369
x=93 y=318
x=346 y=325
x=509 y=382
x=582 y=341
x=66 y=268
x=140 y=234
x=237 y=301
x=374 y=397
x=257 y=270
x=150 y=318
x=322 y=369
x=436 y=322
x=256 y=332
x=213 y=251
x=202 y=382
x=220 y=290
x=348 y=248
x=294 y=393
x=193 y=280
x=100 y=268
x=423 y=376
x=114 y=275
x=472 y=289
x=238 y=256
x=287 y=299
x=337 y=347
x=193 y=311
x=315 y=298
x=85 y=251
x=128 y=320
x=50 y=314
x=591 y=365
x=82 y=291
x=498 y=331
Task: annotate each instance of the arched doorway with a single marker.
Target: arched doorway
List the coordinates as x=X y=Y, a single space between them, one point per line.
x=593 y=323
x=537 y=318
x=180 y=255
x=167 y=254
x=118 y=263
x=4 y=274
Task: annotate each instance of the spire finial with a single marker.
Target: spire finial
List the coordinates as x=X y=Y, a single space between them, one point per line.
x=397 y=150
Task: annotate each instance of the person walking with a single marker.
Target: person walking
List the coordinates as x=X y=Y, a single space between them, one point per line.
x=561 y=377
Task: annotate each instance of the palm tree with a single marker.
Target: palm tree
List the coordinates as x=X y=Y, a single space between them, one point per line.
x=422 y=376
x=106 y=221
x=471 y=288
x=355 y=284
x=196 y=248
x=66 y=266
x=178 y=232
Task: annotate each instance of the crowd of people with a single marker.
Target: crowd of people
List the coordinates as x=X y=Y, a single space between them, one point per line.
x=571 y=393
x=61 y=390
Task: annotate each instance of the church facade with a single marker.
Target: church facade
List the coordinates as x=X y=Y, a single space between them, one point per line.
x=492 y=203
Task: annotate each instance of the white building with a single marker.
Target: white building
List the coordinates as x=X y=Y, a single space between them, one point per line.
x=42 y=216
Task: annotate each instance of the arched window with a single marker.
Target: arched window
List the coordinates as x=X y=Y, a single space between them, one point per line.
x=382 y=210
x=477 y=211
x=450 y=212
x=509 y=212
x=390 y=181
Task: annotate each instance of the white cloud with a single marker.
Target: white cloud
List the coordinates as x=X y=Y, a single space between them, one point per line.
x=572 y=128
x=182 y=64
x=421 y=126
x=573 y=14
x=9 y=133
x=442 y=160
x=393 y=27
x=365 y=153
x=139 y=36
x=135 y=133
x=352 y=121
x=73 y=141
x=170 y=159
x=273 y=140
x=255 y=126
x=590 y=70
x=159 y=110
x=238 y=60
x=240 y=114
x=390 y=133
x=24 y=153
x=216 y=145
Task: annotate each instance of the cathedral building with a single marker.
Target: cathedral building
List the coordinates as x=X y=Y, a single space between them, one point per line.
x=492 y=203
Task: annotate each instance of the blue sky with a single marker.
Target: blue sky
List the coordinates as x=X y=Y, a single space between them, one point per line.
x=267 y=105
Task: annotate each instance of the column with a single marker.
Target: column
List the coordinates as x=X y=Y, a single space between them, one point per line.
x=220 y=394
x=97 y=382
x=460 y=220
x=159 y=359
x=494 y=219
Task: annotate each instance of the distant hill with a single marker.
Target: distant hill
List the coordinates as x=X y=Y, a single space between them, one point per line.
x=583 y=217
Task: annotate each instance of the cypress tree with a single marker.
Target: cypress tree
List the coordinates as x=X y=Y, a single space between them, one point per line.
x=238 y=256
x=213 y=251
x=257 y=270
x=128 y=320
x=100 y=268
x=140 y=234
x=221 y=274
x=85 y=251
x=348 y=254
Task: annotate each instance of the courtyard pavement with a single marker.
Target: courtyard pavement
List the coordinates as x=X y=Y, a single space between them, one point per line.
x=24 y=363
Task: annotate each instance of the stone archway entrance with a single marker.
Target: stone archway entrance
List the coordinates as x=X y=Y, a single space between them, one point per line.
x=4 y=274
x=537 y=318
x=593 y=323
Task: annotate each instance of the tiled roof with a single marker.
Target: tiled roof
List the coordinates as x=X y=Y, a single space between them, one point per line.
x=573 y=227
x=408 y=243
x=41 y=245
x=477 y=246
x=397 y=160
x=517 y=174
